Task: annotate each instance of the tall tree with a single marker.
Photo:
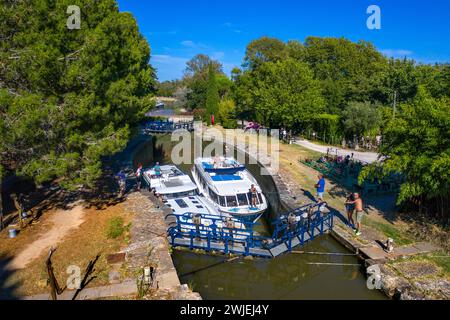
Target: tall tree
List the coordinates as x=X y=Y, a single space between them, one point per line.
x=264 y=50
x=285 y=93
x=212 y=95
x=196 y=79
x=416 y=144
x=360 y=119
x=69 y=97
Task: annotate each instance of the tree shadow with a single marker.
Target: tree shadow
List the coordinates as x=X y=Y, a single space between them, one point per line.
x=8 y=286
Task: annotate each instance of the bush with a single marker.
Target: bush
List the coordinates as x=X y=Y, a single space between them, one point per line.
x=115 y=228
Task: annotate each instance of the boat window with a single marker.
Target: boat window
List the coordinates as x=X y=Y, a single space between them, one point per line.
x=231 y=201
x=242 y=198
x=222 y=201
x=213 y=195
x=260 y=198
x=181 y=203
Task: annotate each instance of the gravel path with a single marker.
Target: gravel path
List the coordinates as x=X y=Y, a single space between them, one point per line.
x=368 y=157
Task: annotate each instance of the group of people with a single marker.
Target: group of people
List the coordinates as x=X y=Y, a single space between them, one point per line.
x=353 y=204
x=121 y=178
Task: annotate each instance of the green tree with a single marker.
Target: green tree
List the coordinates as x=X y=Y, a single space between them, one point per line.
x=196 y=79
x=264 y=50
x=285 y=93
x=212 y=95
x=69 y=97
x=227 y=114
x=416 y=144
x=361 y=119
x=349 y=71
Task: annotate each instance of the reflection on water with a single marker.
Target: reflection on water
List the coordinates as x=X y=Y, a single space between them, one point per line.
x=287 y=277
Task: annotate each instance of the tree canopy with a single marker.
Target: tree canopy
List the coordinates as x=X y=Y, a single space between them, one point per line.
x=69 y=97
x=416 y=144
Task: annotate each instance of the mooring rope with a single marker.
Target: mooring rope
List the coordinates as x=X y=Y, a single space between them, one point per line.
x=334 y=264
x=326 y=253
x=210 y=266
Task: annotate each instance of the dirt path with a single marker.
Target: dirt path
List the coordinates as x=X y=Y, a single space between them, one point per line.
x=63 y=222
x=368 y=157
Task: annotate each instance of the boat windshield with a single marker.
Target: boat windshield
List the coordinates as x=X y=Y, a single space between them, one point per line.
x=242 y=199
x=231 y=201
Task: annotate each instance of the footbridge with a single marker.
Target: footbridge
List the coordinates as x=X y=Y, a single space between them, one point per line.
x=212 y=233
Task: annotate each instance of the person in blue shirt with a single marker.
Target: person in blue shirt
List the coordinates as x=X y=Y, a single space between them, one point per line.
x=320 y=186
x=157 y=169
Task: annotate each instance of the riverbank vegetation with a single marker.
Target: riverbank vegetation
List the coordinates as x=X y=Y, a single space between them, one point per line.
x=68 y=98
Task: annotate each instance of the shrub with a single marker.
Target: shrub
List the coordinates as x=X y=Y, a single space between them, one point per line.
x=115 y=228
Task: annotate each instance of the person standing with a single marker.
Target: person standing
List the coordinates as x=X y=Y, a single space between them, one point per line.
x=122 y=180
x=320 y=187
x=229 y=224
x=359 y=208
x=350 y=207
x=139 y=177
x=157 y=169
x=254 y=195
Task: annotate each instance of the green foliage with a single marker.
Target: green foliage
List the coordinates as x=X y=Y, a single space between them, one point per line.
x=361 y=119
x=328 y=126
x=196 y=79
x=264 y=50
x=212 y=95
x=284 y=93
x=168 y=88
x=69 y=97
x=115 y=228
x=417 y=145
x=227 y=114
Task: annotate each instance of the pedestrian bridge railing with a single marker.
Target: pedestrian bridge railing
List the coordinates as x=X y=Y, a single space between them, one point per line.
x=212 y=233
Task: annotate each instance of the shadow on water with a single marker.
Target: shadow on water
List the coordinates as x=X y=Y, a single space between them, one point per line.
x=288 y=277
x=8 y=285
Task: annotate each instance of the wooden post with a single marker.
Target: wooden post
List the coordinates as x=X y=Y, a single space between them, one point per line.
x=54 y=286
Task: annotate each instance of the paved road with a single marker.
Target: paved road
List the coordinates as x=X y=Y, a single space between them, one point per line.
x=368 y=157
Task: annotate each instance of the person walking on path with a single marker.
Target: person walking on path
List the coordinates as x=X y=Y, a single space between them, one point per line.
x=359 y=208
x=320 y=187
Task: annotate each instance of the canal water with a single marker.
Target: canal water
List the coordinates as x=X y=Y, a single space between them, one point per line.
x=290 y=277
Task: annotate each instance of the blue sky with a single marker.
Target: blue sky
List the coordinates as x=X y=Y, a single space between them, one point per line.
x=178 y=30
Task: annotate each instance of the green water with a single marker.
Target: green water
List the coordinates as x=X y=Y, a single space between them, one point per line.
x=289 y=277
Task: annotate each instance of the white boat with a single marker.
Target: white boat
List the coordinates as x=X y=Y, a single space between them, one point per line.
x=170 y=183
x=180 y=194
x=226 y=184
